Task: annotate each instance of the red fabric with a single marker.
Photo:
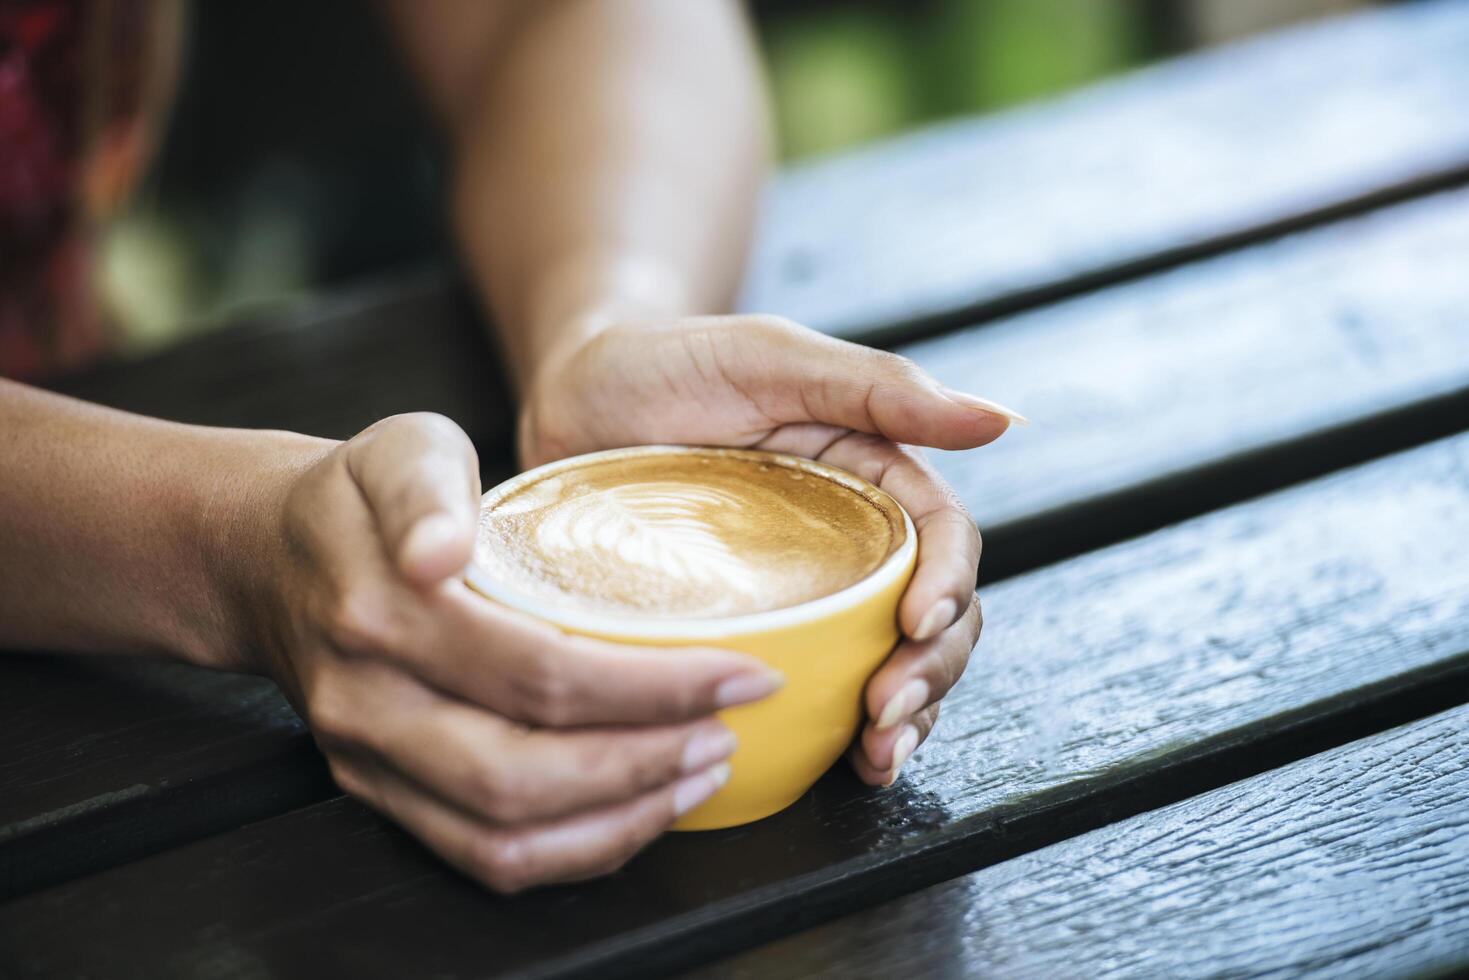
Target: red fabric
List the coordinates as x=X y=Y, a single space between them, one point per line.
x=62 y=90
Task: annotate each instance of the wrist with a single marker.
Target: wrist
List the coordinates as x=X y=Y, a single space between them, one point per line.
x=583 y=296
x=242 y=548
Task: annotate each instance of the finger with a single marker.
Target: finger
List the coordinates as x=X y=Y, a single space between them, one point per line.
x=816 y=378
x=531 y=672
x=506 y=774
x=878 y=756
x=810 y=439
x=512 y=859
x=948 y=542
x=919 y=674
x=420 y=477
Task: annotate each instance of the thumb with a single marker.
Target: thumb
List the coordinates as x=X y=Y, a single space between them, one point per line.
x=420 y=475
x=845 y=384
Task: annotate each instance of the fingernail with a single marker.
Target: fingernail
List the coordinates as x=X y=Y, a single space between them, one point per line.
x=985 y=405
x=426 y=538
x=746 y=688
x=902 y=749
x=940 y=616
x=910 y=697
x=707 y=746
x=696 y=789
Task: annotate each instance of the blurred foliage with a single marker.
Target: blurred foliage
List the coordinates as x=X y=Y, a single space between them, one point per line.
x=839 y=78
x=992 y=53
x=848 y=74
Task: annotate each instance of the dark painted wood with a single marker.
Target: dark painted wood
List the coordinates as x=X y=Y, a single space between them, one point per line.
x=1161 y=165
x=1350 y=863
x=1152 y=401
x=1160 y=398
x=330 y=367
x=1116 y=681
x=108 y=759
x=1157 y=399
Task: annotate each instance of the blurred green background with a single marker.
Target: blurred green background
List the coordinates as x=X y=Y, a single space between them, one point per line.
x=296 y=157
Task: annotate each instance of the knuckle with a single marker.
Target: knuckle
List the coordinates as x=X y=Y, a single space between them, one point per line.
x=954 y=667
x=503 y=862
x=633 y=763
x=429 y=425
x=330 y=713
x=772 y=325
x=624 y=846
x=545 y=691
x=928 y=719
x=955 y=506
x=652 y=766
x=631 y=841
x=676 y=696
x=358 y=621
x=900 y=367
x=347 y=777
x=500 y=791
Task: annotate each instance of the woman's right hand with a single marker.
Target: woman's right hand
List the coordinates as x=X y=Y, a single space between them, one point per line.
x=521 y=754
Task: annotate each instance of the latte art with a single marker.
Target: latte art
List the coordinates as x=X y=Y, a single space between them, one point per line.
x=657 y=527
x=705 y=534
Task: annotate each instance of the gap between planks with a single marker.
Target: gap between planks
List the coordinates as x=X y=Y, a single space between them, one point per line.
x=1069 y=812
x=908 y=331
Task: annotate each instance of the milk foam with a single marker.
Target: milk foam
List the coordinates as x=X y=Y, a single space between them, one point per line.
x=709 y=534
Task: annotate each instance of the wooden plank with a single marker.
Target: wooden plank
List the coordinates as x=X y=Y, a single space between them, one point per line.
x=1214 y=365
x=1352 y=863
x=1153 y=400
x=1157 y=399
x=108 y=759
x=330 y=367
x=1167 y=163
x=1109 y=684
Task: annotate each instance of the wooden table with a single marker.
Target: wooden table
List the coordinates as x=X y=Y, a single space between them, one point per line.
x=1219 y=722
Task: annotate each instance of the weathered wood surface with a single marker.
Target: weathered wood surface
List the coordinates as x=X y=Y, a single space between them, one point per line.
x=1353 y=863
x=1160 y=165
x=115 y=758
x=1153 y=400
x=329 y=368
x=1111 y=683
x=1162 y=397
x=1270 y=363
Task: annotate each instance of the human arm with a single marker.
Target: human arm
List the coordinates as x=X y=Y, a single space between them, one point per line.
x=606 y=159
x=116 y=528
x=520 y=754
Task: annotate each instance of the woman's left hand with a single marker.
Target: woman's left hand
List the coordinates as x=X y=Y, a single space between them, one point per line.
x=761 y=382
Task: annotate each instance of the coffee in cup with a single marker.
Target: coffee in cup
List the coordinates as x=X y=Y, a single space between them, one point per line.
x=794 y=562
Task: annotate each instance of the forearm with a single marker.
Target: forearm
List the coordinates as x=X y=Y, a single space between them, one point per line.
x=608 y=163
x=125 y=534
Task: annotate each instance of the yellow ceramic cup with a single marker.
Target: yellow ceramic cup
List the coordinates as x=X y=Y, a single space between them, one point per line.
x=826 y=648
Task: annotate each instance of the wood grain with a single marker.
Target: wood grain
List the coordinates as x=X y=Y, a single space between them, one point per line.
x=1159 y=398
x=1347 y=864
x=1161 y=165
x=1106 y=685
x=108 y=759
x=330 y=367
x=1152 y=401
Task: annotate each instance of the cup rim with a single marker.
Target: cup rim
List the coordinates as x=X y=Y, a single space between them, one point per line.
x=653 y=628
